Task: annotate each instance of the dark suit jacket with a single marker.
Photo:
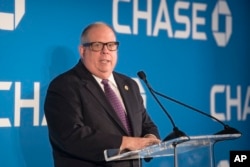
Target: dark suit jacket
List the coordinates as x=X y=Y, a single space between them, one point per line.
x=82 y=123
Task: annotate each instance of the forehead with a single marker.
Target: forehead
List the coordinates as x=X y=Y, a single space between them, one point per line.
x=101 y=33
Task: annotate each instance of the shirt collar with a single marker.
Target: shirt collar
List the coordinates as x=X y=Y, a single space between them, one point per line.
x=110 y=78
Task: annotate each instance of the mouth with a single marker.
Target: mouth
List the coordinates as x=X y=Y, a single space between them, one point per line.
x=104 y=61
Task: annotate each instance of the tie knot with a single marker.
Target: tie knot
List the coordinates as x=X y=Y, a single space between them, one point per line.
x=105 y=81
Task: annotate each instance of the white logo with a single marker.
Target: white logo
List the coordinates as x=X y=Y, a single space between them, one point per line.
x=9 y=21
x=221 y=38
x=189 y=22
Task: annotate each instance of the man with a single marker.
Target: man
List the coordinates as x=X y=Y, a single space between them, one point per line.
x=82 y=122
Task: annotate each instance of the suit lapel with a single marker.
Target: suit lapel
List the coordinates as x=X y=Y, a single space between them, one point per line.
x=93 y=87
x=100 y=96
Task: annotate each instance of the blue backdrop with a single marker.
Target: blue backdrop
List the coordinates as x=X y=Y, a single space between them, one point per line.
x=196 y=51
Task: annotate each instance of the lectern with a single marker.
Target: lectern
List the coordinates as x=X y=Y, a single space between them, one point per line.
x=179 y=148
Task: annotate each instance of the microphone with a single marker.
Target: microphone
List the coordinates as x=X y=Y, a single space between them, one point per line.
x=176 y=132
x=227 y=129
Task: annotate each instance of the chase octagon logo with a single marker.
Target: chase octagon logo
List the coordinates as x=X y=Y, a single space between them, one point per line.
x=222 y=38
x=9 y=21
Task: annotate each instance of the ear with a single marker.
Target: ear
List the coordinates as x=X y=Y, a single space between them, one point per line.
x=81 y=50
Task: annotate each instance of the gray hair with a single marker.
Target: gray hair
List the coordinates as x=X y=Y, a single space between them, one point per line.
x=84 y=34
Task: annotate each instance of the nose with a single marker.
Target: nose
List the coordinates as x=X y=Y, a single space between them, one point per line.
x=105 y=48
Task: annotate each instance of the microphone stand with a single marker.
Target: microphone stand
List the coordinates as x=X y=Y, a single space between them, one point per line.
x=176 y=132
x=227 y=129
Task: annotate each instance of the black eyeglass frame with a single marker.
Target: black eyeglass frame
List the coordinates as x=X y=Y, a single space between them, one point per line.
x=90 y=44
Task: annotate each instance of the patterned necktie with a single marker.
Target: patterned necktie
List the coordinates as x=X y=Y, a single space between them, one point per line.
x=116 y=104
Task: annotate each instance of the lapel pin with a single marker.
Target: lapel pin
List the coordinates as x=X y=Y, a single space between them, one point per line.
x=126 y=87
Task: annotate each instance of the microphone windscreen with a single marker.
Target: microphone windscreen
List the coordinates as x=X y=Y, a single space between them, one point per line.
x=142 y=75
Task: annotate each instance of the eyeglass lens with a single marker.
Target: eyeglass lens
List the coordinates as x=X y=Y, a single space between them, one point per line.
x=97 y=46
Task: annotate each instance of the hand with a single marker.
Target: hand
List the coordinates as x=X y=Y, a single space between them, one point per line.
x=137 y=143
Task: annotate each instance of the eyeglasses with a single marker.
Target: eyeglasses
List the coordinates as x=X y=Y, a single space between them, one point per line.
x=97 y=46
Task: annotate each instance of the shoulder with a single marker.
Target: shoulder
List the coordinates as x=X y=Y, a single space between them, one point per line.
x=66 y=76
x=122 y=77
x=74 y=75
x=66 y=79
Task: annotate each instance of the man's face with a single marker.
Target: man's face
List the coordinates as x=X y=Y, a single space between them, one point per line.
x=100 y=63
